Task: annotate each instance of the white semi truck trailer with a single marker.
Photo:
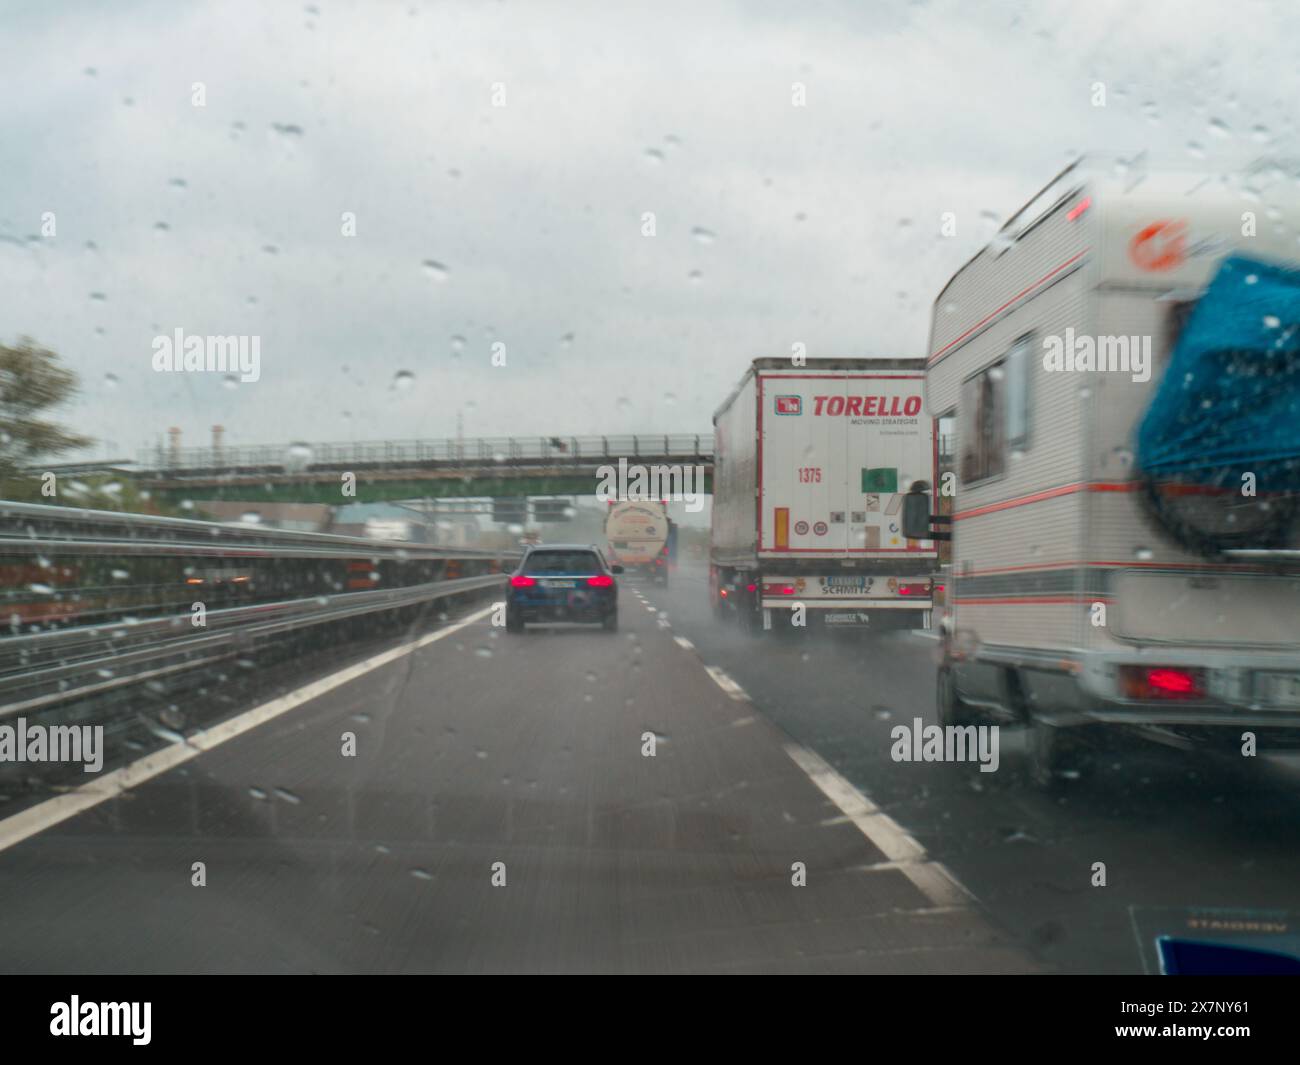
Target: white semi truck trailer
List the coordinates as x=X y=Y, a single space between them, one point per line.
x=811 y=464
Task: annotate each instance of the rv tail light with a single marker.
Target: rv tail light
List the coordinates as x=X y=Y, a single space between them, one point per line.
x=914 y=589
x=520 y=581
x=601 y=580
x=1162 y=682
x=778 y=589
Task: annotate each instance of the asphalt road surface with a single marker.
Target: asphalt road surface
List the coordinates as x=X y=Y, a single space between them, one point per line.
x=502 y=813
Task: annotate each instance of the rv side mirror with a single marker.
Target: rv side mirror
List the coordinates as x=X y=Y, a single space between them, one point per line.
x=916 y=512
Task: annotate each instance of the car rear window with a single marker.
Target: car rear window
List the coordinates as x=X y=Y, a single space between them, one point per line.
x=562 y=562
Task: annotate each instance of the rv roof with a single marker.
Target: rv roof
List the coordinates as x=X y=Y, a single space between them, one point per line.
x=1128 y=174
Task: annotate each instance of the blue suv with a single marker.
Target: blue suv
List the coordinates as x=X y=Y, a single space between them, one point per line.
x=562 y=582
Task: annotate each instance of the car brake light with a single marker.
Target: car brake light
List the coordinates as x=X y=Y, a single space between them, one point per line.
x=601 y=580
x=724 y=592
x=751 y=587
x=520 y=581
x=778 y=589
x=1162 y=682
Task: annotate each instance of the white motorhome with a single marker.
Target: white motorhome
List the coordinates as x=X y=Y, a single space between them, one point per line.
x=1070 y=603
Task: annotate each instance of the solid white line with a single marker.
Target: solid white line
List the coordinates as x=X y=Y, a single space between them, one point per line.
x=931 y=878
x=893 y=841
x=682 y=641
x=51 y=812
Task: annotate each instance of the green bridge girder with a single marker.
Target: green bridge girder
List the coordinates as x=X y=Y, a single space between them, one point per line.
x=315 y=488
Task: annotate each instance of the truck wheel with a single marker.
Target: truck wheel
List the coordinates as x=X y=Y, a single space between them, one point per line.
x=949 y=705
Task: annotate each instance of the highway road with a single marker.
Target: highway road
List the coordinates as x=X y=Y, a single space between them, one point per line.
x=502 y=814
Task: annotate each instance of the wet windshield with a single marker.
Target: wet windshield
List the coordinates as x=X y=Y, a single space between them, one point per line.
x=927 y=372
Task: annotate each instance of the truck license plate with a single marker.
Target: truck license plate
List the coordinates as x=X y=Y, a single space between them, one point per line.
x=1279 y=689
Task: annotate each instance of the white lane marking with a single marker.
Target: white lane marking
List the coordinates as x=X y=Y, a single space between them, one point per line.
x=53 y=811
x=727 y=684
x=682 y=641
x=931 y=878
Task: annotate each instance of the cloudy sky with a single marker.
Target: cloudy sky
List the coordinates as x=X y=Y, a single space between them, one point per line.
x=774 y=224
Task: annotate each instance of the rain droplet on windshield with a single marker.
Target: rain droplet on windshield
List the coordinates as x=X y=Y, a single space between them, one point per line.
x=436 y=270
x=403 y=380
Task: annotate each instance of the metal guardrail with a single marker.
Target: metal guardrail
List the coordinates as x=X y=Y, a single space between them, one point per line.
x=483 y=451
x=61 y=665
x=32 y=527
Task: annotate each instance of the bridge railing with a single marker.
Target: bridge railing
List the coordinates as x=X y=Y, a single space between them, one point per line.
x=478 y=451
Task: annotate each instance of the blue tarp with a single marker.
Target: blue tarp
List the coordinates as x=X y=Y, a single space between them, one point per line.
x=1229 y=401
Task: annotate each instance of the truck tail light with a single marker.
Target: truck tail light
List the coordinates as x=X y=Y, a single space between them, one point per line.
x=1162 y=682
x=922 y=589
x=778 y=589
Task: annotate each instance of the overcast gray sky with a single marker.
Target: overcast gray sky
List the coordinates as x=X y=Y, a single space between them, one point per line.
x=824 y=219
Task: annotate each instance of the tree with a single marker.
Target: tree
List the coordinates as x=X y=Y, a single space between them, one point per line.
x=31 y=382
